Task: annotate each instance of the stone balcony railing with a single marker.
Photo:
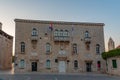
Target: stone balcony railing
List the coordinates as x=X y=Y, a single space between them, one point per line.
x=58 y=38
x=62 y=56
x=87 y=39
x=34 y=38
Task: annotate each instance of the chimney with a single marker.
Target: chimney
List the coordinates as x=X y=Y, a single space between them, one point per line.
x=0 y=26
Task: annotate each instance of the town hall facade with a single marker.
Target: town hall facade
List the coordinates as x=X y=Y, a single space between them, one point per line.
x=58 y=46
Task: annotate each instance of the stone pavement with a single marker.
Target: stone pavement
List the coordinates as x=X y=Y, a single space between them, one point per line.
x=58 y=76
x=9 y=75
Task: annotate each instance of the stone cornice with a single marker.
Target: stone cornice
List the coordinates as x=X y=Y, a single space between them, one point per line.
x=59 y=22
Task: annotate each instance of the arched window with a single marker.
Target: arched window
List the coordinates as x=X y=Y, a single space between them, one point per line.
x=48 y=64
x=75 y=64
x=48 y=48
x=22 y=47
x=56 y=32
x=61 y=32
x=97 y=48
x=75 y=48
x=34 y=32
x=66 y=33
x=86 y=34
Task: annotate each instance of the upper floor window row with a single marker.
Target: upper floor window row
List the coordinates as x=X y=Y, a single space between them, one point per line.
x=58 y=33
x=61 y=32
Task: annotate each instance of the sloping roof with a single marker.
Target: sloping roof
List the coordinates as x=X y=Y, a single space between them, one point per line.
x=118 y=46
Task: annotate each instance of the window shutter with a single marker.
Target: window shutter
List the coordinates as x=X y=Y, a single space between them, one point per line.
x=114 y=63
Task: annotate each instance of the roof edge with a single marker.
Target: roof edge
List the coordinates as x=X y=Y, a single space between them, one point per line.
x=58 y=22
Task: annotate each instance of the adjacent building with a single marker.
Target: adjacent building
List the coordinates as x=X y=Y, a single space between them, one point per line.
x=6 y=43
x=113 y=63
x=58 y=46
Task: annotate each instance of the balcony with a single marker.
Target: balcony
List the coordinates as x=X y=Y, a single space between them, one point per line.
x=87 y=40
x=34 y=38
x=62 y=57
x=62 y=38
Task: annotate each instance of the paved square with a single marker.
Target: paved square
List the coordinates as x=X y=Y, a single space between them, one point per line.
x=68 y=76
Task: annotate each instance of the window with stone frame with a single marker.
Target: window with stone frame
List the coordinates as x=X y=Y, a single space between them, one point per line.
x=22 y=64
x=22 y=47
x=48 y=64
x=75 y=64
x=87 y=34
x=66 y=33
x=48 y=48
x=97 y=48
x=114 y=63
x=61 y=35
x=56 y=32
x=34 y=32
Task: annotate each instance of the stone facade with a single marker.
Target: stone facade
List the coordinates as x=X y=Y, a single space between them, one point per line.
x=6 y=43
x=56 y=46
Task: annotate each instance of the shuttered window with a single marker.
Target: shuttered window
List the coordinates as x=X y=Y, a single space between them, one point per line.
x=114 y=63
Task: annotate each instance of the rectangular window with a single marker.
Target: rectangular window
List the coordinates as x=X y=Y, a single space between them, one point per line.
x=114 y=63
x=22 y=64
x=75 y=64
x=48 y=64
x=22 y=47
x=48 y=48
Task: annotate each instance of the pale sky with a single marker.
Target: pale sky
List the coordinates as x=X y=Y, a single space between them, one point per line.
x=100 y=11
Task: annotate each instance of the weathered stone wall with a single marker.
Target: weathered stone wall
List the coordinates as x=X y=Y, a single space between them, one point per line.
x=110 y=69
x=6 y=44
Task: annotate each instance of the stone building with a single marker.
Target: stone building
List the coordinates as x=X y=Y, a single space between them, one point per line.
x=57 y=46
x=113 y=65
x=6 y=43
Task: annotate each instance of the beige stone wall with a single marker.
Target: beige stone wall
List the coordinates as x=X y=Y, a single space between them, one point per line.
x=110 y=69
x=6 y=43
x=23 y=34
